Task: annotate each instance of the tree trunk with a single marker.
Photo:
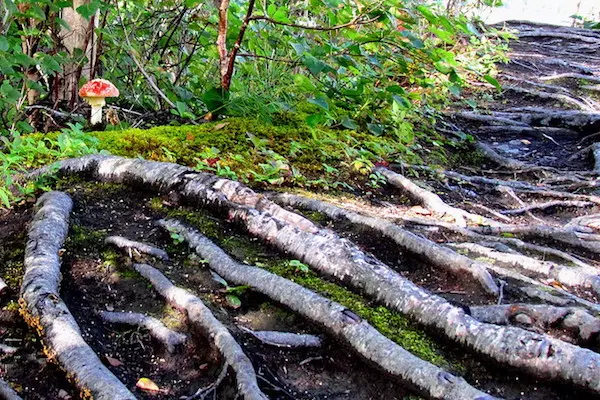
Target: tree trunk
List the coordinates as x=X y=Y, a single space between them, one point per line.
x=80 y=36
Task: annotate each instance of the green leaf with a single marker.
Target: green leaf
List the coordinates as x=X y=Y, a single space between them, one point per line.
x=233 y=301
x=3 y=43
x=493 y=81
x=320 y=101
x=375 y=129
x=88 y=10
x=349 y=123
x=314 y=119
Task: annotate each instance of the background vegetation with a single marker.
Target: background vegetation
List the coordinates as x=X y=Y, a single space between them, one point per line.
x=379 y=68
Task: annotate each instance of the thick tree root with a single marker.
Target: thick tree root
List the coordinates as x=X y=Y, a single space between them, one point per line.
x=542 y=356
x=501 y=160
x=285 y=339
x=559 y=35
x=124 y=243
x=579 y=323
x=440 y=256
x=571 y=276
x=45 y=311
x=428 y=199
x=571 y=75
x=339 y=321
x=201 y=317
x=560 y=97
x=547 y=205
x=579 y=121
x=514 y=242
x=7 y=392
x=170 y=339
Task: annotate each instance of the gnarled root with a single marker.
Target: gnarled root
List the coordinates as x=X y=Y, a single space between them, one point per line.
x=583 y=326
x=45 y=311
x=427 y=199
x=201 y=317
x=567 y=275
x=339 y=321
x=167 y=337
x=540 y=355
x=440 y=256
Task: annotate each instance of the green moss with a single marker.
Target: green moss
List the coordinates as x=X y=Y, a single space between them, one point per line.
x=241 y=145
x=85 y=238
x=392 y=324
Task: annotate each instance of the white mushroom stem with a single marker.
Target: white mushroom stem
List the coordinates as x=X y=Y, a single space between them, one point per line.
x=97 y=103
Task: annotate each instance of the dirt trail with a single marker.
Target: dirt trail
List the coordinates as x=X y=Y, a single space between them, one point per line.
x=493 y=234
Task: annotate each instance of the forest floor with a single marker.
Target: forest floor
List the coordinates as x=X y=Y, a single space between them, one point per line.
x=536 y=146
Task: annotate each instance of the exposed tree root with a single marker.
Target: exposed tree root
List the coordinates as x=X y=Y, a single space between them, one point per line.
x=201 y=317
x=547 y=205
x=8 y=393
x=536 y=84
x=285 y=339
x=167 y=337
x=560 y=97
x=43 y=309
x=580 y=121
x=440 y=256
x=544 y=59
x=559 y=35
x=514 y=242
x=339 y=321
x=124 y=243
x=590 y=78
x=540 y=132
x=472 y=116
x=540 y=355
x=501 y=160
x=430 y=200
x=583 y=326
x=571 y=276
x=596 y=154
x=587 y=242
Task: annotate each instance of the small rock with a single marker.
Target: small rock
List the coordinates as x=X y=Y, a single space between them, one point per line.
x=63 y=394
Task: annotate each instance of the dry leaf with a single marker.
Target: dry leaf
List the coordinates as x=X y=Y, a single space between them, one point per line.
x=147 y=384
x=220 y=126
x=113 y=361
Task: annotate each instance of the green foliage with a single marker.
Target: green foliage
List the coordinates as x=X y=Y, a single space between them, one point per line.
x=375 y=66
x=24 y=152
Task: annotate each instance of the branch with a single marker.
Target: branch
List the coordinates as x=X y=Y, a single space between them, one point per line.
x=355 y=21
x=226 y=79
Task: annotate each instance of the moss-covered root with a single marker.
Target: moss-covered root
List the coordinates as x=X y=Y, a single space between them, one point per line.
x=43 y=309
x=200 y=316
x=335 y=318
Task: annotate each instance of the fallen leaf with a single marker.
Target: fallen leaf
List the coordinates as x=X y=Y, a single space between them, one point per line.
x=147 y=384
x=525 y=142
x=220 y=126
x=113 y=361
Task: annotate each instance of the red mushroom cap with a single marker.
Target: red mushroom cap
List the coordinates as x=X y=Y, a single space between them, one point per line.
x=98 y=88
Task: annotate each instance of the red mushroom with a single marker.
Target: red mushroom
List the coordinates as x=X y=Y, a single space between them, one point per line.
x=94 y=92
